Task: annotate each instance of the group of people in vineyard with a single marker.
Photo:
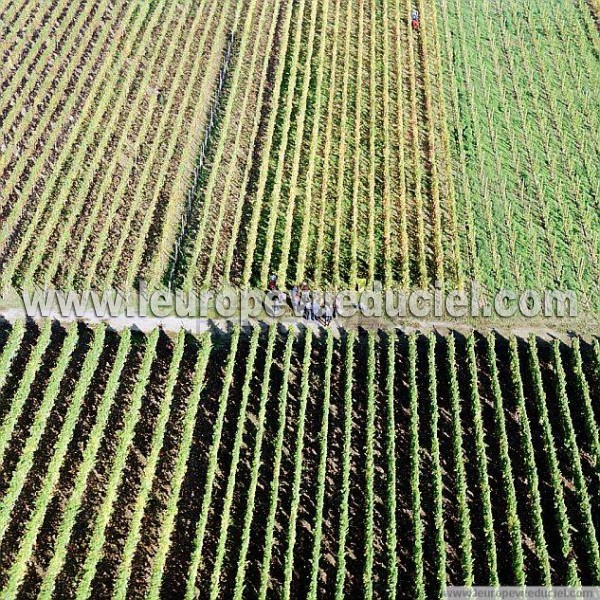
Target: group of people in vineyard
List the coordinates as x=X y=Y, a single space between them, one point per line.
x=308 y=304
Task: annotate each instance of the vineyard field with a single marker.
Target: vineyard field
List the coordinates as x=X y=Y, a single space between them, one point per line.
x=323 y=141
x=297 y=463
x=433 y=157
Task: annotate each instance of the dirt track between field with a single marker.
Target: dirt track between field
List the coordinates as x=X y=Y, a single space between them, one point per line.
x=174 y=324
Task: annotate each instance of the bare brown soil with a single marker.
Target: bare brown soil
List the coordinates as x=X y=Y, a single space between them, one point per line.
x=194 y=487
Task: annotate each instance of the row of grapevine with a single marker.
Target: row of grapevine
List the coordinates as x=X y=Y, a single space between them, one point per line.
x=346 y=458
x=241 y=78
x=458 y=456
x=261 y=507
x=298 y=463
x=110 y=69
x=10 y=350
x=45 y=494
x=95 y=156
x=322 y=473
x=153 y=138
x=438 y=515
x=306 y=199
x=46 y=76
x=481 y=458
x=96 y=109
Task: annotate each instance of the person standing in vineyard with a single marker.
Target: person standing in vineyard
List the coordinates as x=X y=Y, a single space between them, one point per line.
x=415 y=20
x=316 y=309
x=308 y=310
x=328 y=315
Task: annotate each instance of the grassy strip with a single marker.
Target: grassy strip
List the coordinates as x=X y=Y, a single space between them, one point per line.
x=436 y=217
x=356 y=199
x=415 y=148
x=388 y=258
x=404 y=263
x=342 y=151
x=374 y=69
